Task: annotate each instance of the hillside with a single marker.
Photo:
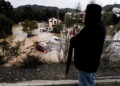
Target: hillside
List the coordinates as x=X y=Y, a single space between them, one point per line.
x=109 y=7
x=42 y=8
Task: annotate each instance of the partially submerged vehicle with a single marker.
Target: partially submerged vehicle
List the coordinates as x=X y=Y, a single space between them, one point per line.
x=30 y=35
x=41 y=48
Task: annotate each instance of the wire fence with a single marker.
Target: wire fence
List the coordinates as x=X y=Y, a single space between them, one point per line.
x=110 y=60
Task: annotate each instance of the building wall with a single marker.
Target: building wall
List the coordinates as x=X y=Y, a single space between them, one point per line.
x=53 y=21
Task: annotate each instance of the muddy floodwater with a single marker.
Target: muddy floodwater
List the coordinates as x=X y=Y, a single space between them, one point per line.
x=55 y=53
x=19 y=35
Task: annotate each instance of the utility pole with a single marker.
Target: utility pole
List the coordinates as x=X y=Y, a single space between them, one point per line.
x=58 y=16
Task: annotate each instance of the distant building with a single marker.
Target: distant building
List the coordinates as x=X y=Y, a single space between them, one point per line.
x=53 y=22
x=116 y=11
x=68 y=14
x=73 y=15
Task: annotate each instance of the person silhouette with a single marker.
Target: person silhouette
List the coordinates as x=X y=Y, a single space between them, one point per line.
x=87 y=46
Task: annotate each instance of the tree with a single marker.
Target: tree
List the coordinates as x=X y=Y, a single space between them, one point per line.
x=110 y=18
x=115 y=19
x=18 y=16
x=5 y=30
x=28 y=13
x=6 y=8
x=29 y=26
x=74 y=18
x=69 y=21
x=57 y=28
x=77 y=14
x=107 y=18
x=78 y=7
x=5 y=26
x=61 y=15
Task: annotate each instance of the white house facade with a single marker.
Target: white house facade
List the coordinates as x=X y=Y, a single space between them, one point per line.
x=52 y=22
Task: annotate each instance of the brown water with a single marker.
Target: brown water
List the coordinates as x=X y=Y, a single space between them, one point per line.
x=52 y=56
x=19 y=35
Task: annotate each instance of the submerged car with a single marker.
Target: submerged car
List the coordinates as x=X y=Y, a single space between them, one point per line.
x=30 y=35
x=41 y=48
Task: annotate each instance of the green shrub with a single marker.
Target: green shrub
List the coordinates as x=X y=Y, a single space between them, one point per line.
x=31 y=62
x=57 y=28
x=5 y=26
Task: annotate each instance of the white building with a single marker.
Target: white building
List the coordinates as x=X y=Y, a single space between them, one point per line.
x=53 y=22
x=116 y=11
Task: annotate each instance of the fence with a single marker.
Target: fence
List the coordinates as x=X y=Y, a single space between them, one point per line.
x=110 y=60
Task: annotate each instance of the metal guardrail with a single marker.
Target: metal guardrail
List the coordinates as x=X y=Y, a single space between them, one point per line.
x=110 y=40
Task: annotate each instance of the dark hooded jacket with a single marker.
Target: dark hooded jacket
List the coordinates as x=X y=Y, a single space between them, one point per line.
x=88 y=44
